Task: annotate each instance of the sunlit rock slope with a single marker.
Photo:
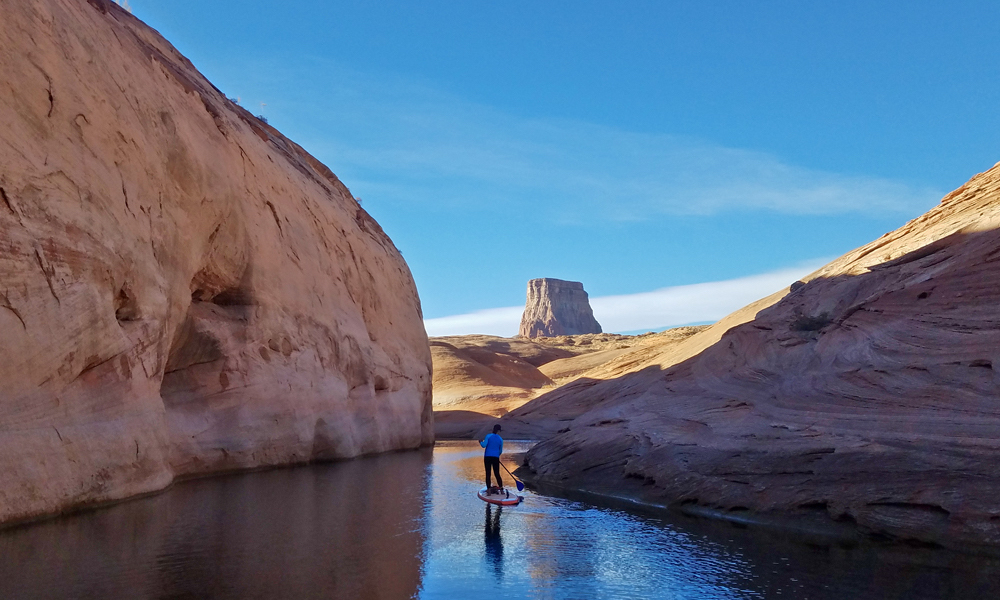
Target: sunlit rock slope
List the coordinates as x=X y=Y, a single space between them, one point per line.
x=183 y=290
x=478 y=378
x=867 y=393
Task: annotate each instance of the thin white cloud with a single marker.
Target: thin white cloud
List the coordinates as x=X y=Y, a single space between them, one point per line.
x=491 y=321
x=665 y=307
x=404 y=142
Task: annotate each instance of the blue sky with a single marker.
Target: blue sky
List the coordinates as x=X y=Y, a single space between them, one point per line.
x=633 y=146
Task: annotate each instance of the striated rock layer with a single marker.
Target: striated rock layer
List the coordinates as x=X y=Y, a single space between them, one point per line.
x=478 y=378
x=183 y=290
x=868 y=393
x=555 y=307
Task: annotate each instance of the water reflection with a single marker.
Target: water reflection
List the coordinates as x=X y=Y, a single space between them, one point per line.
x=493 y=542
x=290 y=533
x=408 y=524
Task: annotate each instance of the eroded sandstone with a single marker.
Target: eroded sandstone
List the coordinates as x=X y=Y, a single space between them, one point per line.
x=478 y=378
x=555 y=307
x=183 y=290
x=866 y=393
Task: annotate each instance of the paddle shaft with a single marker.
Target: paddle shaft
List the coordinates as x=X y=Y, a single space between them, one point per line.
x=520 y=486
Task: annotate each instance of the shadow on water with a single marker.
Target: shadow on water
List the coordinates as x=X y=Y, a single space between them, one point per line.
x=408 y=525
x=493 y=541
x=339 y=530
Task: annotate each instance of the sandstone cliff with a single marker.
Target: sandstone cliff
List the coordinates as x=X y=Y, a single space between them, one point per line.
x=183 y=290
x=866 y=393
x=555 y=307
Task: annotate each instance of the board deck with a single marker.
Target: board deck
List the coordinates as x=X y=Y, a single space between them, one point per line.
x=505 y=498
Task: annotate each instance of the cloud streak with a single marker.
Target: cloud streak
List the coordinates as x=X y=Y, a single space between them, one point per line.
x=665 y=307
x=404 y=141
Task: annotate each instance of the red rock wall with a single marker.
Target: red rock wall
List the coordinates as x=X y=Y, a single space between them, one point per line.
x=868 y=393
x=182 y=289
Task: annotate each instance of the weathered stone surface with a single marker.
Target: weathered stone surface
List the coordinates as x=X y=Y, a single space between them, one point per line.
x=556 y=307
x=867 y=394
x=478 y=378
x=183 y=289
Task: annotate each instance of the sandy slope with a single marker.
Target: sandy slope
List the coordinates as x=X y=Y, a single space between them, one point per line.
x=478 y=378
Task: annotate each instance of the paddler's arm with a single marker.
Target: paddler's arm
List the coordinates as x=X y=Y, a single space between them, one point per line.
x=482 y=442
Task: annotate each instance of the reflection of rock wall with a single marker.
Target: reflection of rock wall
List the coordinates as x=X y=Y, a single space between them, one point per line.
x=182 y=288
x=329 y=531
x=866 y=393
x=556 y=307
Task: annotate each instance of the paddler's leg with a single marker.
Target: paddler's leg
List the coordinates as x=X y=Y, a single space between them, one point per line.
x=496 y=470
x=486 y=463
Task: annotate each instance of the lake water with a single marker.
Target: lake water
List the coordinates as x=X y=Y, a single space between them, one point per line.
x=409 y=524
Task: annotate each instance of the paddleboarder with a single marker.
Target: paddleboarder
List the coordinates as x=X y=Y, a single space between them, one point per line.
x=491 y=457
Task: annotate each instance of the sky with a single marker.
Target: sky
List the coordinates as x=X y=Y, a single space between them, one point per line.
x=681 y=159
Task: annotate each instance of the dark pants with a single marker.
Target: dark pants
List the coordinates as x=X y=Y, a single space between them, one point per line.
x=492 y=461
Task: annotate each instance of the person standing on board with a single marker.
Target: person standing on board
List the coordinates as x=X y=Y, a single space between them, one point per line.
x=491 y=457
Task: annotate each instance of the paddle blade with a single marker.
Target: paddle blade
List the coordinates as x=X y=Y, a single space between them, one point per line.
x=520 y=486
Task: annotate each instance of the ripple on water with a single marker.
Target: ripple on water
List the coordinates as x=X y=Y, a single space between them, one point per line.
x=409 y=525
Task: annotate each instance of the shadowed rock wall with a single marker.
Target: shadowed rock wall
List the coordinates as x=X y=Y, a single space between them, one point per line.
x=183 y=290
x=865 y=393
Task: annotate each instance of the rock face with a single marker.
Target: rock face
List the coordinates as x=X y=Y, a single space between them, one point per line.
x=183 y=290
x=478 y=378
x=556 y=307
x=866 y=393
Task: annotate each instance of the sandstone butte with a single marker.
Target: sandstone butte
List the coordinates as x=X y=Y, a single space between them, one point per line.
x=554 y=308
x=867 y=393
x=183 y=290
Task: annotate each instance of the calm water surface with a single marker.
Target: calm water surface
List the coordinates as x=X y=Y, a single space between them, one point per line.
x=409 y=525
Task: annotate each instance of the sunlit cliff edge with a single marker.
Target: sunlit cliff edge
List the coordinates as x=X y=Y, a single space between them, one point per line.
x=183 y=290
x=867 y=394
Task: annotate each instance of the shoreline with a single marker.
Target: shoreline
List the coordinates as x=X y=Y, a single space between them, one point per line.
x=808 y=529
x=85 y=507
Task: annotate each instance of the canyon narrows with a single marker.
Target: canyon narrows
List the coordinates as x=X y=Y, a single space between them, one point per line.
x=183 y=290
x=866 y=393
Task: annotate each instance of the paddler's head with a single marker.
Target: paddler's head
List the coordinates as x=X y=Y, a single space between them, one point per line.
x=496 y=428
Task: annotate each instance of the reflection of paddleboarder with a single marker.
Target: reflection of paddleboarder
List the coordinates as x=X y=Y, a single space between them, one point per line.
x=491 y=457
x=491 y=538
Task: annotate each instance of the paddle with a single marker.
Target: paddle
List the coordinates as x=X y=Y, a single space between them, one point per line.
x=520 y=486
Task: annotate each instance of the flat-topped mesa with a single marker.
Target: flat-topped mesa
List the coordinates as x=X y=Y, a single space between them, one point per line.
x=556 y=307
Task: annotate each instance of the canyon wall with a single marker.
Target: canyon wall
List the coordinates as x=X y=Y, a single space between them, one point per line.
x=866 y=393
x=183 y=290
x=555 y=307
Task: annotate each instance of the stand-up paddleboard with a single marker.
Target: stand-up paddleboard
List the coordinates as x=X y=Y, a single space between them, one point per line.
x=503 y=498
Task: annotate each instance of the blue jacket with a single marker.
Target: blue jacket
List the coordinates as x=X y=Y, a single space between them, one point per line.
x=493 y=444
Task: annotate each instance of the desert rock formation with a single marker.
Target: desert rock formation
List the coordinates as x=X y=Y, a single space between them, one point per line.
x=555 y=307
x=866 y=393
x=478 y=378
x=183 y=290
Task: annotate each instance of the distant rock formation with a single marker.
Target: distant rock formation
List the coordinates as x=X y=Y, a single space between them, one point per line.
x=183 y=290
x=556 y=307
x=866 y=394
x=478 y=378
